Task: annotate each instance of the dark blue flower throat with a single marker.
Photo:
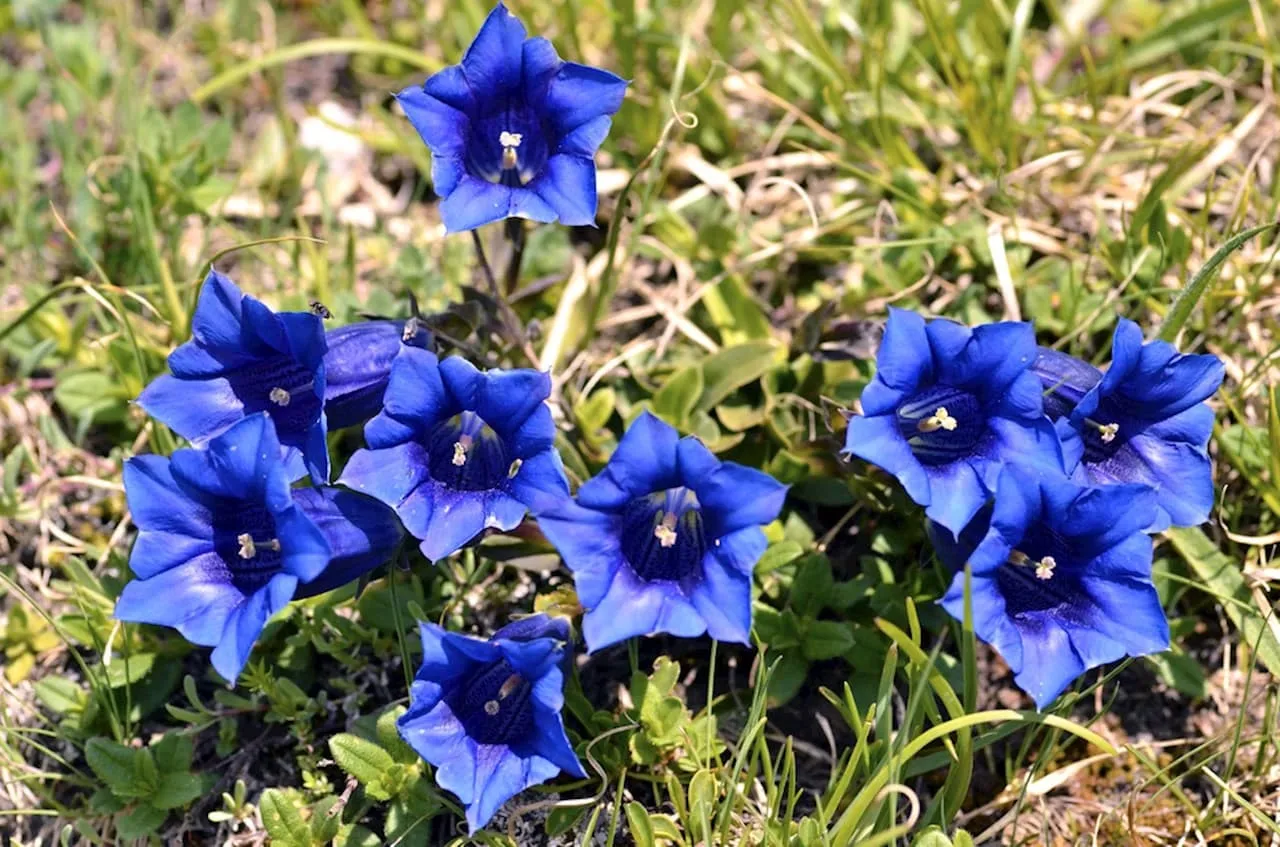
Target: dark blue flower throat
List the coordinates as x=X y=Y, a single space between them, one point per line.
x=1041 y=575
x=244 y=537
x=1104 y=433
x=494 y=705
x=280 y=387
x=467 y=455
x=941 y=424
x=509 y=144
x=662 y=535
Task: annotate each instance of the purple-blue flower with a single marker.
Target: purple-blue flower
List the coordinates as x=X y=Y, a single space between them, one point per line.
x=513 y=130
x=1061 y=578
x=455 y=450
x=358 y=365
x=242 y=359
x=224 y=544
x=948 y=406
x=1144 y=420
x=664 y=539
x=487 y=713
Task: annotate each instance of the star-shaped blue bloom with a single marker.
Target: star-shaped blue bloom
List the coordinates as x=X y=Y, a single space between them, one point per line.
x=948 y=406
x=358 y=365
x=513 y=130
x=1061 y=578
x=243 y=359
x=1145 y=420
x=455 y=450
x=664 y=539
x=487 y=713
x=224 y=544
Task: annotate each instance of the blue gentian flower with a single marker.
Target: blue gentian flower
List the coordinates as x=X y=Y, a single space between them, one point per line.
x=487 y=713
x=224 y=544
x=242 y=359
x=1064 y=379
x=456 y=450
x=664 y=539
x=358 y=365
x=1061 y=579
x=948 y=407
x=513 y=130
x=1145 y=420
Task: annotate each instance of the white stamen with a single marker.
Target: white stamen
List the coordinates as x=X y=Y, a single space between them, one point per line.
x=491 y=707
x=1109 y=432
x=249 y=548
x=510 y=139
x=514 y=469
x=509 y=686
x=665 y=531
x=1044 y=568
x=940 y=419
x=411 y=328
x=279 y=396
x=460 y=448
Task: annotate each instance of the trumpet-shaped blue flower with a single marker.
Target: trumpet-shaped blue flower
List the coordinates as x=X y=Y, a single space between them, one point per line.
x=456 y=450
x=948 y=407
x=664 y=539
x=487 y=713
x=223 y=543
x=1064 y=379
x=358 y=365
x=242 y=359
x=1061 y=578
x=1145 y=421
x=513 y=130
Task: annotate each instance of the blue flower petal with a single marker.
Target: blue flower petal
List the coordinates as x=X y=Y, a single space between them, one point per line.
x=463 y=381
x=474 y=203
x=1155 y=380
x=155 y=552
x=549 y=741
x=493 y=61
x=540 y=484
x=362 y=533
x=902 y=363
x=501 y=775
x=245 y=624
x=506 y=398
x=991 y=622
x=577 y=93
x=157 y=502
x=539 y=62
x=1064 y=380
x=444 y=128
x=216 y=331
x=194 y=597
x=450 y=86
x=879 y=440
x=536 y=435
x=588 y=541
x=529 y=204
x=1181 y=476
x=535 y=626
x=995 y=356
x=437 y=735
x=631 y=607
x=1049 y=662
x=390 y=474
x=1035 y=443
x=1097 y=519
x=735 y=497
x=1193 y=426
x=242 y=463
x=305 y=551
x=456 y=518
x=956 y=494
x=195 y=409
x=568 y=186
x=723 y=596
x=586 y=139
x=415 y=401
x=644 y=461
x=696 y=462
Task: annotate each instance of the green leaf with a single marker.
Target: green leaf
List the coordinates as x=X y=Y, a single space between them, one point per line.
x=787 y=678
x=1180 y=671
x=782 y=553
x=594 y=412
x=932 y=837
x=826 y=640
x=357 y=836
x=1273 y=435
x=116 y=765
x=283 y=821
x=60 y=694
x=638 y=824
x=364 y=760
x=676 y=400
x=177 y=790
x=173 y=753
x=1190 y=296
x=389 y=736
x=812 y=586
x=1222 y=578
x=325 y=819
x=139 y=822
x=733 y=367
x=735 y=312
x=123 y=672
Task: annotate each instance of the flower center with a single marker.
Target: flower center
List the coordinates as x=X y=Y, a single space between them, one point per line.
x=1043 y=566
x=662 y=535
x=507 y=145
x=244 y=538
x=941 y=424
x=467 y=455
x=1104 y=433
x=494 y=705
x=280 y=387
